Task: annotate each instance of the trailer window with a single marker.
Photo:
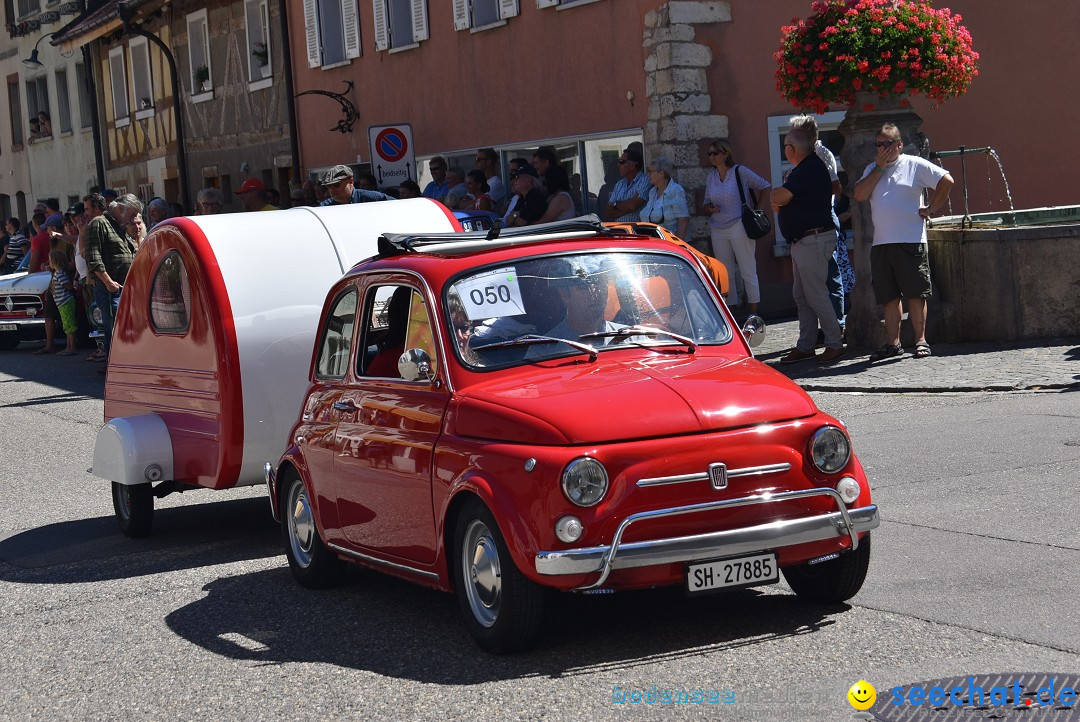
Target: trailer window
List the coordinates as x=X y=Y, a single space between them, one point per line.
x=170 y=296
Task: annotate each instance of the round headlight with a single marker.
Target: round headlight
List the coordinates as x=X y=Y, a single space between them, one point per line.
x=848 y=489
x=96 y=318
x=830 y=449
x=584 y=481
x=568 y=529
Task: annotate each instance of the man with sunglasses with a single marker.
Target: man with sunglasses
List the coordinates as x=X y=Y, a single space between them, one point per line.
x=631 y=192
x=899 y=260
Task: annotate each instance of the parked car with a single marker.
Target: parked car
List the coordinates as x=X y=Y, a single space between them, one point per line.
x=209 y=356
x=22 y=308
x=475 y=220
x=567 y=407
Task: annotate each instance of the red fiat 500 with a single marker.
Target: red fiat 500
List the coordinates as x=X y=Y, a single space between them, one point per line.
x=565 y=407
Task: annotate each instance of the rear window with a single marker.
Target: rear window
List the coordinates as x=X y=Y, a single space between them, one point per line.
x=170 y=296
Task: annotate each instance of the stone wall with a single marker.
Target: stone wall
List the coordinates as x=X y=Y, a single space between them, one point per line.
x=677 y=85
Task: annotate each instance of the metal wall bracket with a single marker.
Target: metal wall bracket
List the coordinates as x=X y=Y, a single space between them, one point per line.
x=351 y=114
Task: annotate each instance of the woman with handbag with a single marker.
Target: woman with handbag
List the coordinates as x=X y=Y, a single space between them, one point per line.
x=667 y=200
x=731 y=205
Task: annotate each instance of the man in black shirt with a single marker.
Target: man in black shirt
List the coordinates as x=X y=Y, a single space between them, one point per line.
x=804 y=204
x=531 y=203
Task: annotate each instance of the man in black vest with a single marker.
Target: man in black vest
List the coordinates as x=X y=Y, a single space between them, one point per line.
x=804 y=204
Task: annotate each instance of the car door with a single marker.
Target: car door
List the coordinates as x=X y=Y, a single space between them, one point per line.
x=385 y=449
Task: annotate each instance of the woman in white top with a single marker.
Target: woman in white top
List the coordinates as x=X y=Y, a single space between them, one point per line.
x=729 y=241
x=667 y=200
x=560 y=202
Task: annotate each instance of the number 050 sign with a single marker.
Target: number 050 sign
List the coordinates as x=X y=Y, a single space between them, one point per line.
x=493 y=294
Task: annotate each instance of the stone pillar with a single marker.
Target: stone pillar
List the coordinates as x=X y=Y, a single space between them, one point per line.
x=865 y=324
x=679 y=103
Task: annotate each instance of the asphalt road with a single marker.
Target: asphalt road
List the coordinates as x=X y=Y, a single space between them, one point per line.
x=974 y=572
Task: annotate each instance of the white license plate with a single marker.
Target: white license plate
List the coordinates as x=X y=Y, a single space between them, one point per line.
x=8 y=327
x=750 y=570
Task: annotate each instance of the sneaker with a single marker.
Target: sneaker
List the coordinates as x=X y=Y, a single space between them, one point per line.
x=794 y=356
x=830 y=355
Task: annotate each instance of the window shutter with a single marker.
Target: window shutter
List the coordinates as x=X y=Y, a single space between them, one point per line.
x=382 y=41
x=461 y=15
x=350 y=22
x=508 y=9
x=546 y=3
x=311 y=23
x=419 y=20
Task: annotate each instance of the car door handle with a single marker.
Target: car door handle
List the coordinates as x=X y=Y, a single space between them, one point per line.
x=348 y=406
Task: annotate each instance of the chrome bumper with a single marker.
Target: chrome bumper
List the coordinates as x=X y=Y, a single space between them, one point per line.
x=771 y=535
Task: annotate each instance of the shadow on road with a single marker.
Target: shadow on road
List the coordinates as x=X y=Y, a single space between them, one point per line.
x=70 y=374
x=393 y=628
x=185 y=537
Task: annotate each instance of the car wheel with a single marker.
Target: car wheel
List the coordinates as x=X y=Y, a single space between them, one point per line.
x=502 y=608
x=834 y=581
x=8 y=341
x=134 y=507
x=312 y=564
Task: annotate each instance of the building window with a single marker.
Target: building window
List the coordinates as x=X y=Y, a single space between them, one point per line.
x=28 y=7
x=86 y=117
x=140 y=78
x=15 y=106
x=118 y=81
x=199 y=54
x=257 y=19
x=400 y=23
x=482 y=13
x=333 y=32
x=37 y=105
x=63 y=101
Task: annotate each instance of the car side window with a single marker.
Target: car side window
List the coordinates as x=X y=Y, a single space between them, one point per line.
x=337 y=337
x=397 y=319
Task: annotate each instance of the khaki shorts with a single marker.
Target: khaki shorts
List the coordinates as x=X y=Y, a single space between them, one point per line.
x=900 y=270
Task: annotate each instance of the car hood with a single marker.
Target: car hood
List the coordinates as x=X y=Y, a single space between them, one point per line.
x=35 y=283
x=605 y=402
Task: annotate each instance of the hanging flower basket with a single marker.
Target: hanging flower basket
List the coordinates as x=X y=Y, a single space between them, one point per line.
x=884 y=47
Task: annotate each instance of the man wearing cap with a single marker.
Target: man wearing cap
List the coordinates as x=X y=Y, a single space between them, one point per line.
x=529 y=203
x=438 y=187
x=338 y=181
x=254 y=196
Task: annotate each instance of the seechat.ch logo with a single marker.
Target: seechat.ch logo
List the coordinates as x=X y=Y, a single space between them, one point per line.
x=1031 y=696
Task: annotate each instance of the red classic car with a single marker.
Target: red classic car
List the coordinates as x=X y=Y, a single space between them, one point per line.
x=564 y=407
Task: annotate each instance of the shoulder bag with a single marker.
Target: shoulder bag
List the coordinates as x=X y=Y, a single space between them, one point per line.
x=755 y=222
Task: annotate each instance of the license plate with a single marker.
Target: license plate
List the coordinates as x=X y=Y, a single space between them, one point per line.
x=749 y=570
x=8 y=327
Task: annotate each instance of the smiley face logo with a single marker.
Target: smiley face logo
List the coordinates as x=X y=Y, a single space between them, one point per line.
x=862 y=695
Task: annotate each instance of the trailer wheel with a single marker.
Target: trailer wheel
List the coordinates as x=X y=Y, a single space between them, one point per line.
x=312 y=564
x=134 y=507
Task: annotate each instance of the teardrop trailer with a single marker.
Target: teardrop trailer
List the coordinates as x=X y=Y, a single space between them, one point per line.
x=212 y=342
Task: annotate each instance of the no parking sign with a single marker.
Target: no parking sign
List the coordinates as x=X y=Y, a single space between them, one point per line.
x=392 y=159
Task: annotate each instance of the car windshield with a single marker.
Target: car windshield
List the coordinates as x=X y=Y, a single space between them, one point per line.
x=553 y=306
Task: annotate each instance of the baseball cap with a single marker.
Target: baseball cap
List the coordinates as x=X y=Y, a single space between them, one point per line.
x=251 y=184
x=336 y=174
x=526 y=169
x=77 y=209
x=56 y=221
x=109 y=194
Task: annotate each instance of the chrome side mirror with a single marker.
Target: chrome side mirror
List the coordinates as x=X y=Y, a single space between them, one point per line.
x=754 y=331
x=415 y=364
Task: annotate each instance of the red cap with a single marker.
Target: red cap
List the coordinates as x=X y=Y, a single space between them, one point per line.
x=251 y=184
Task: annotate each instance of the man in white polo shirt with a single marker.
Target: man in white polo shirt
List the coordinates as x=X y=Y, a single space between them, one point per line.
x=899 y=258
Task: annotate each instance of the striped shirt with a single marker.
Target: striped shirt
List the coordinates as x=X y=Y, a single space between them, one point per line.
x=60 y=294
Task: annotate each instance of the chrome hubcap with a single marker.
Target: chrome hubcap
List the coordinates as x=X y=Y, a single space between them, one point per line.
x=301 y=524
x=483 y=575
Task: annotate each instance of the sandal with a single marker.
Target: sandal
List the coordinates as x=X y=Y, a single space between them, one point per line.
x=65 y=352
x=96 y=356
x=46 y=349
x=922 y=349
x=887 y=351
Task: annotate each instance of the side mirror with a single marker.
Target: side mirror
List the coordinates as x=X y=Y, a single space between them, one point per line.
x=754 y=331
x=415 y=364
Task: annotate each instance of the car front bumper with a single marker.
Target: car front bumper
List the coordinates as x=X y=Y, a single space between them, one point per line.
x=771 y=535
x=28 y=329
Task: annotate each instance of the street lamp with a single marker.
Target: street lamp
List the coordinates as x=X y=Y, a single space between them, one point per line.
x=32 y=61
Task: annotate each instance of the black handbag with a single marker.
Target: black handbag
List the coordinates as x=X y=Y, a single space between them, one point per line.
x=755 y=222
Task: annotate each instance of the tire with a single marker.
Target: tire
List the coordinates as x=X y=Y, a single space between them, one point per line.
x=134 y=507
x=312 y=564
x=503 y=609
x=9 y=341
x=834 y=581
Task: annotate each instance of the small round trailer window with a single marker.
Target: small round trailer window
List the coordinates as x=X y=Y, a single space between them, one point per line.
x=170 y=296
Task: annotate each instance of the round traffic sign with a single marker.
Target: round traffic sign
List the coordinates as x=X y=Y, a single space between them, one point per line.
x=391 y=145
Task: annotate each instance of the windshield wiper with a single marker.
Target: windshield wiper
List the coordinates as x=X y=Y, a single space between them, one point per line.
x=628 y=331
x=533 y=339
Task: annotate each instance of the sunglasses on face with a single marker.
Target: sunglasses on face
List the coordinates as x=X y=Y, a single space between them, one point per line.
x=884 y=143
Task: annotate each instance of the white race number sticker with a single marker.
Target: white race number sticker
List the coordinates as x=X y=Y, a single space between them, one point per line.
x=491 y=295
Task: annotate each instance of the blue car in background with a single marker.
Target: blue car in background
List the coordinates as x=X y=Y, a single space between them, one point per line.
x=477 y=220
